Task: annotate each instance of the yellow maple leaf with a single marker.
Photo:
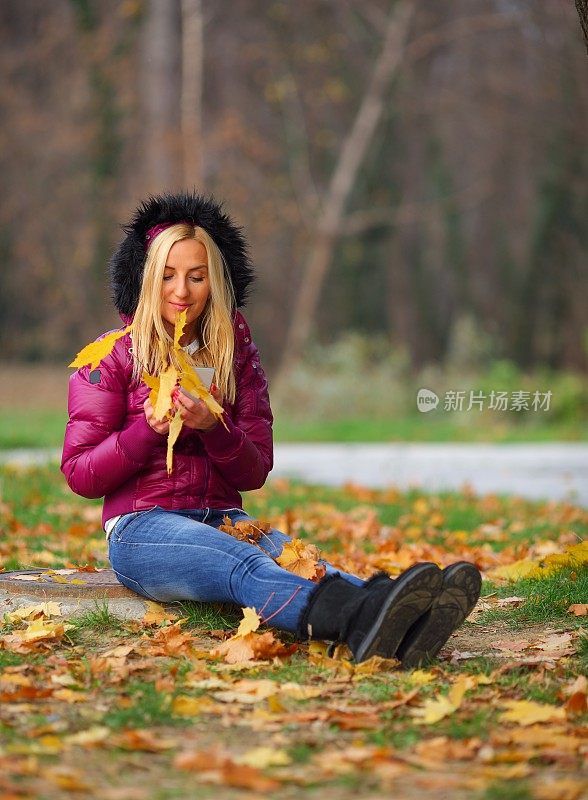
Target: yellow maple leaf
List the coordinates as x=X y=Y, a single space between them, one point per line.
x=94 y=352
x=43 y=629
x=186 y=706
x=250 y=622
x=528 y=712
x=263 y=757
x=301 y=559
x=153 y=383
x=437 y=708
x=175 y=427
x=156 y=613
x=167 y=381
x=190 y=381
x=49 y=609
x=179 y=326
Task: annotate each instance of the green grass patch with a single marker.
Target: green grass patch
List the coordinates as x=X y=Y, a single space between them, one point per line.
x=45 y=429
x=511 y=790
x=209 y=616
x=148 y=707
x=99 y=619
x=547 y=599
x=31 y=429
x=439 y=427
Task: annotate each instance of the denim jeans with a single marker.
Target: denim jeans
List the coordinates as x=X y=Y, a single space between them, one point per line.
x=181 y=555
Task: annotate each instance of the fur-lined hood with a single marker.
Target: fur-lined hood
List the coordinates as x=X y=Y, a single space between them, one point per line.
x=127 y=263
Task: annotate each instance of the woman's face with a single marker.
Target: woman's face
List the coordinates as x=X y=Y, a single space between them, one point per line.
x=185 y=285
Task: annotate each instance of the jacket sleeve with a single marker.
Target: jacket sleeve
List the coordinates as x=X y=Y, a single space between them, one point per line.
x=243 y=454
x=98 y=454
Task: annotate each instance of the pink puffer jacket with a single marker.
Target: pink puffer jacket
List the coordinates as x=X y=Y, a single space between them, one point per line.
x=111 y=451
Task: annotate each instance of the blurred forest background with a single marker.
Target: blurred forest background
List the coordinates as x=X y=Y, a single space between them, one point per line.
x=412 y=177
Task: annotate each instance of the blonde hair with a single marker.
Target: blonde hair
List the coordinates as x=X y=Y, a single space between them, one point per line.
x=153 y=346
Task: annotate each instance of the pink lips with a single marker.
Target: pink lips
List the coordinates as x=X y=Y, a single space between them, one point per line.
x=180 y=306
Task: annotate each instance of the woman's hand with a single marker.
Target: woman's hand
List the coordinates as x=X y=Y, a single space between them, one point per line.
x=162 y=426
x=197 y=415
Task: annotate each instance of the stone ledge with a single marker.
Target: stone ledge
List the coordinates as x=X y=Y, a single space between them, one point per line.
x=99 y=589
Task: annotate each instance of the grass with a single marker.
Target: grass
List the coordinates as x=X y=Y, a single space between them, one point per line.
x=147 y=707
x=422 y=428
x=513 y=790
x=99 y=620
x=45 y=429
x=546 y=599
x=209 y=616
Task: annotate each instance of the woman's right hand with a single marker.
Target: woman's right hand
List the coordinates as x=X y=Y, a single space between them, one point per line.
x=162 y=426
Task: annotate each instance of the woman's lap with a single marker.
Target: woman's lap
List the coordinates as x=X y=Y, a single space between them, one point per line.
x=183 y=556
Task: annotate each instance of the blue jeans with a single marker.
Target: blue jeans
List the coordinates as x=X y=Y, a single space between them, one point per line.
x=181 y=555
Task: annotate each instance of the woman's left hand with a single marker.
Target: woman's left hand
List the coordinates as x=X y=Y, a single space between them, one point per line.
x=197 y=415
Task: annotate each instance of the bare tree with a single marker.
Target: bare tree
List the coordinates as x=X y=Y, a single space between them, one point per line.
x=333 y=204
x=191 y=101
x=160 y=89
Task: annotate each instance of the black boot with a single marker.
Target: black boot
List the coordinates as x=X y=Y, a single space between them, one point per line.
x=373 y=620
x=458 y=595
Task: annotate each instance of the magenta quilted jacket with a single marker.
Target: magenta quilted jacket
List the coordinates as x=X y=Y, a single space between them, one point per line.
x=110 y=450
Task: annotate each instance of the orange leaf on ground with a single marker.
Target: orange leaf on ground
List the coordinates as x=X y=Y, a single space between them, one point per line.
x=578 y=609
x=301 y=559
x=144 y=740
x=252 y=647
x=214 y=766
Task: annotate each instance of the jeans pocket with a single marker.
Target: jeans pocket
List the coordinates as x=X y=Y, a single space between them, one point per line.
x=124 y=522
x=133 y=585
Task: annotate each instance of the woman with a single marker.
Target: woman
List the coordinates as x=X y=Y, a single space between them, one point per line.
x=182 y=253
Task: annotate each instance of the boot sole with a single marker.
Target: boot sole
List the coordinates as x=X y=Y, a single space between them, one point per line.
x=411 y=595
x=459 y=594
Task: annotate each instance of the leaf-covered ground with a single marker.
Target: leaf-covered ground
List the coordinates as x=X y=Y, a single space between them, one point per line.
x=98 y=707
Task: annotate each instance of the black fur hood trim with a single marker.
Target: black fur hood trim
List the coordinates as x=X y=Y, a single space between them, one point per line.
x=127 y=264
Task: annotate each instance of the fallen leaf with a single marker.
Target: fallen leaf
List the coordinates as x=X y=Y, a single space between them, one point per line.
x=72 y=780
x=528 y=712
x=437 y=708
x=301 y=559
x=143 y=740
x=156 y=614
x=217 y=767
x=262 y=757
x=90 y=737
x=49 y=609
x=185 y=706
x=578 y=609
x=250 y=622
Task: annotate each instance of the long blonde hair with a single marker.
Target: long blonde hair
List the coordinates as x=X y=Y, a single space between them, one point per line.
x=153 y=346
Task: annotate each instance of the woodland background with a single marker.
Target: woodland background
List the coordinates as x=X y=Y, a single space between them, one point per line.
x=413 y=172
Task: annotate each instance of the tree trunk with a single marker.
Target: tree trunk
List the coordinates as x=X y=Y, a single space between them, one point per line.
x=339 y=191
x=582 y=8
x=191 y=102
x=160 y=94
